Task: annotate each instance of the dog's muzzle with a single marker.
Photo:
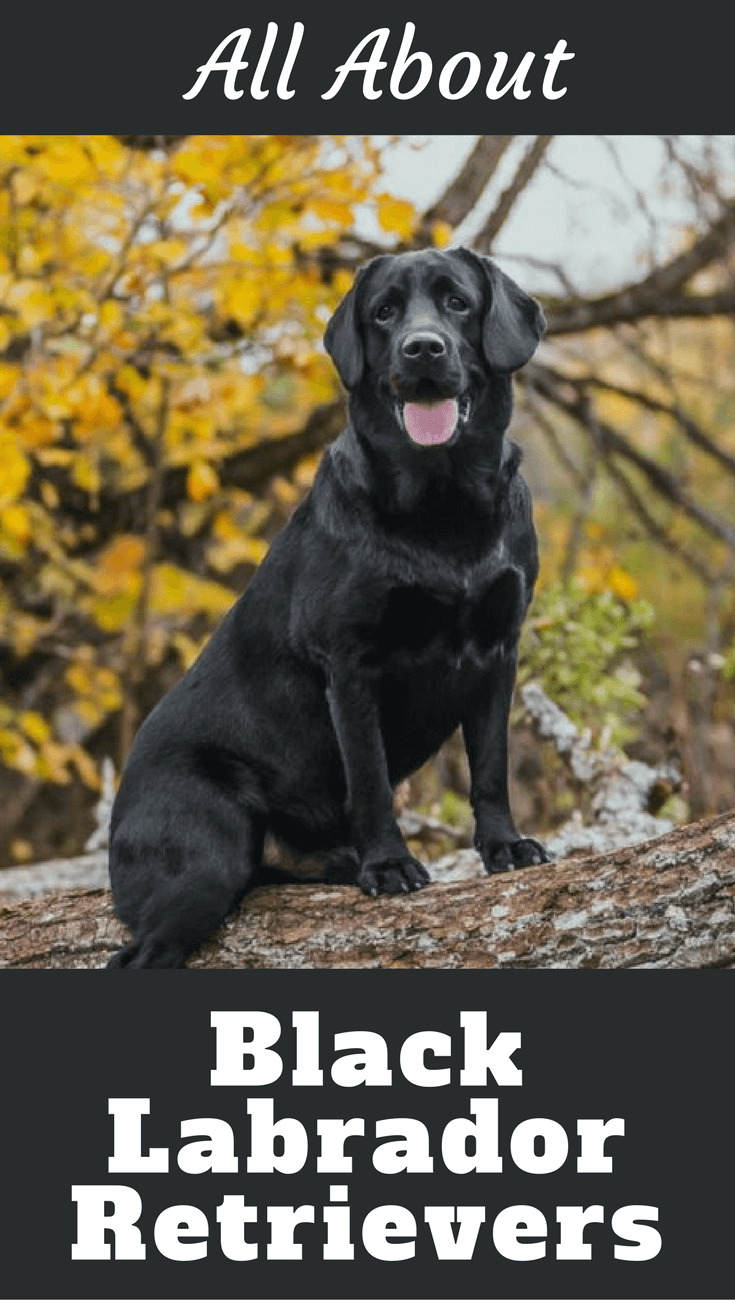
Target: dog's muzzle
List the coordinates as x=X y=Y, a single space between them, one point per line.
x=427 y=409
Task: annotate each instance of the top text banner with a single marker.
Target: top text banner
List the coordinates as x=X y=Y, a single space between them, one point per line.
x=236 y=67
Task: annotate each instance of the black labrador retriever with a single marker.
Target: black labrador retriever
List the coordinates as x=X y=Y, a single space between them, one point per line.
x=386 y=614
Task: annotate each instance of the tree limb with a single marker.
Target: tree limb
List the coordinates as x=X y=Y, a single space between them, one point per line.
x=569 y=395
x=658 y=293
x=688 y=426
x=667 y=903
x=466 y=188
x=655 y=530
x=527 y=168
x=629 y=306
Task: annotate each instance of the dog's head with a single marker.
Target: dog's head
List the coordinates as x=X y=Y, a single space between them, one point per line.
x=423 y=332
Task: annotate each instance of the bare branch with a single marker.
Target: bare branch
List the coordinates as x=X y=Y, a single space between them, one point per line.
x=702 y=185
x=641 y=201
x=570 y=467
x=656 y=532
x=553 y=268
x=571 y=395
x=527 y=168
x=629 y=306
x=688 y=426
x=467 y=187
x=660 y=292
x=583 y=506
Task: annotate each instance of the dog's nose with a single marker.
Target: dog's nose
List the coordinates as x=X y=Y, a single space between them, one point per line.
x=423 y=343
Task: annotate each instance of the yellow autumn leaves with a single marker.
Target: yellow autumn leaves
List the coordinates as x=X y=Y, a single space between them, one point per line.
x=175 y=593
x=160 y=312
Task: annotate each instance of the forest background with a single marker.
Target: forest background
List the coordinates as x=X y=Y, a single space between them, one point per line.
x=164 y=400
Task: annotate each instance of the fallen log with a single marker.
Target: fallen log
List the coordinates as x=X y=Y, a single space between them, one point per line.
x=666 y=903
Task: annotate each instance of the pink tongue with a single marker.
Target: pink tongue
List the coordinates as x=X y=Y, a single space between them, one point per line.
x=430 y=423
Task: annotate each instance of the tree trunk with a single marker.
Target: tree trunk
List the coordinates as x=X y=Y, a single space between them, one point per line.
x=667 y=903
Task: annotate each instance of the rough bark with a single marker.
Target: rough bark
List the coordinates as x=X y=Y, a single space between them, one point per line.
x=667 y=903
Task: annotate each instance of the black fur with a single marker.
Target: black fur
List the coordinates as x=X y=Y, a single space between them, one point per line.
x=386 y=614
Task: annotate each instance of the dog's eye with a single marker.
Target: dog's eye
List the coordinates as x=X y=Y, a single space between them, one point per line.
x=384 y=312
x=456 y=303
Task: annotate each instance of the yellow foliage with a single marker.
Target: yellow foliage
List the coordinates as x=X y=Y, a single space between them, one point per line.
x=14 y=470
x=85 y=473
x=202 y=480
x=623 y=583
x=8 y=378
x=16 y=752
x=186 y=647
x=49 y=495
x=51 y=763
x=118 y=567
x=34 y=726
x=397 y=215
x=85 y=766
x=285 y=492
x=178 y=592
x=160 y=311
x=15 y=524
x=65 y=160
x=242 y=298
x=97 y=686
x=441 y=234
x=240 y=548
x=37 y=431
x=112 y=613
x=24 y=631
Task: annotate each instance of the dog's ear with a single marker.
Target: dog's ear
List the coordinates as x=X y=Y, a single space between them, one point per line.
x=342 y=339
x=514 y=322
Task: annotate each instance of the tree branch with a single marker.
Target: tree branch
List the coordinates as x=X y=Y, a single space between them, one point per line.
x=654 y=529
x=467 y=187
x=667 y=903
x=688 y=426
x=570 y=395
x=659 y=293
x=628 y=306
x=527 y=168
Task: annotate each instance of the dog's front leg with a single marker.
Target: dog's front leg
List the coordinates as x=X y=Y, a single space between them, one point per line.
x=386 y=866
x=486 y=736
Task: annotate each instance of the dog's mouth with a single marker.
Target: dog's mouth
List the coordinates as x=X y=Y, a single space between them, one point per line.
x=433 y=424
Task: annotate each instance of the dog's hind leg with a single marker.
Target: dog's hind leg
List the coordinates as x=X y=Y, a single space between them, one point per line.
x=174 y=890
x=333 y=867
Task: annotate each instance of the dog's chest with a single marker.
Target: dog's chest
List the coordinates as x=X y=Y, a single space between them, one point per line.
x=463 y=623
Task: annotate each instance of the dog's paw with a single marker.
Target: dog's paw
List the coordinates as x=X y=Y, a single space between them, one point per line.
x=392 y=875
x=510 y=855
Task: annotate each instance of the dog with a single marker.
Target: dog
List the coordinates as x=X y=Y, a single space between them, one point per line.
x=385 y=615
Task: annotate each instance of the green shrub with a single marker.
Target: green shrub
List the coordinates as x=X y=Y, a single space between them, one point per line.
x=576 y=643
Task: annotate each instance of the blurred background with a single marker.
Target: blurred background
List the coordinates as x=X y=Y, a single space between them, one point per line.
x=164 y=400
